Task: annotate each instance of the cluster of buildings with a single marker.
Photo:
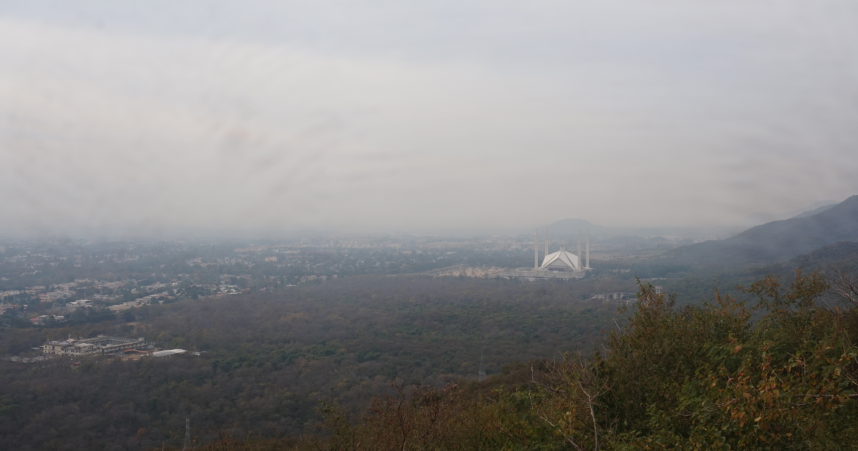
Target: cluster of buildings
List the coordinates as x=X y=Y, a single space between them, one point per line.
x=137 y=303
x=104 y=345
x=40 y=291
x=464 y=271
x=61 y=291
x=56 y=292
x=140 y=302
x=80 y=303
x=100 y=345
x=616 y=296
x=7 y=306
x=313 y=277
x=42 y=319
x=9 y=293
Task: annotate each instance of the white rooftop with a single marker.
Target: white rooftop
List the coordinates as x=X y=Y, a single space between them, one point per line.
x=561 y=260
x=168 y=352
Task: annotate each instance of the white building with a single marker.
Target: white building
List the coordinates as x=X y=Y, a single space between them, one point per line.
x=561 y=260
x=558 y=265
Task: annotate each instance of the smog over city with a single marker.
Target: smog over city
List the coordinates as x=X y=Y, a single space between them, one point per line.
x=248 y=225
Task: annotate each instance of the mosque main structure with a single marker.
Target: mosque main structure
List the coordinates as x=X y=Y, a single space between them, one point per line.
x=561 y=264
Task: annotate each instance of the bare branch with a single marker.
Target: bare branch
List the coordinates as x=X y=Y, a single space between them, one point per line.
x=843 y=285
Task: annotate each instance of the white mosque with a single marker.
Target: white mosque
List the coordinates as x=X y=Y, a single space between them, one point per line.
x=557 y=265
x=561 y=260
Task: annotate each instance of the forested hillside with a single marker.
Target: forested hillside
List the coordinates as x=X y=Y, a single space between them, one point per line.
x=268 y=360
x=775 y=241
x=697 y=285
x=694 y=377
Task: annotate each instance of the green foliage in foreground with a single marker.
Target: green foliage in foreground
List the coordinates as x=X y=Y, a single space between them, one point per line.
x=696 y=377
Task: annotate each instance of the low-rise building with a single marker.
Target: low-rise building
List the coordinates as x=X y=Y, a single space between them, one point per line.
x=137 y=303
x=80 y=303
x=100 y=345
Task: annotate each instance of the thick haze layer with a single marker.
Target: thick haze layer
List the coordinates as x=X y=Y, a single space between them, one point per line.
x=364 y=114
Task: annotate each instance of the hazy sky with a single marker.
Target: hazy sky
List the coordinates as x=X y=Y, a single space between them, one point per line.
x=422 y=115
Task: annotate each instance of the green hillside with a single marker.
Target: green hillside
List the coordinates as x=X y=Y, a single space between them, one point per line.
x=776 y=241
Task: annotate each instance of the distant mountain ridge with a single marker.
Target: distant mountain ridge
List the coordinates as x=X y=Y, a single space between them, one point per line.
x=570 y=227
x=777 y=241
x=760 y=218
x=815 y=211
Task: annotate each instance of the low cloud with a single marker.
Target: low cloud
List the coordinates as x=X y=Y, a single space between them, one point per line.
x=687 y=120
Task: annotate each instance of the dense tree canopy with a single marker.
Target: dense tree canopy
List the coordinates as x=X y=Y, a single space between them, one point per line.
x=780 y=372
x=383 y=364
x=267 y=360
